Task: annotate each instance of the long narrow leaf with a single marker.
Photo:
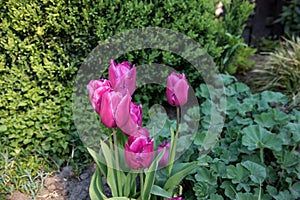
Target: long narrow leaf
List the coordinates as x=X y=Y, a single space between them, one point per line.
x=158 y=191
x=96 y=188
x=111 y=177
x=172 y=152
x=120 y=198
x=150 y=176
x=175 y=179
x=98 y=160
x=129 y=183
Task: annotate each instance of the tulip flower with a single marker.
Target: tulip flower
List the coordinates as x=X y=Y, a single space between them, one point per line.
x=96 y=90
x=164 y=160
x=176 y=198
x=177 y=89
x=110 y=101
x=122 y=76
x=139 y=150
x=128 y=115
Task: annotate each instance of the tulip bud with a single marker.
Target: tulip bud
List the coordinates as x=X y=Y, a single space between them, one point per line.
x=122 y=76
x=110 y=101
x=139 y=150
x=128 y=115
x=96 y=90
x=177 y=89
x=164 y=160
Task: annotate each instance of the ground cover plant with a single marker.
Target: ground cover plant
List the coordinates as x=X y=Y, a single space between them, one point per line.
x=257 y=155
x=43 y=43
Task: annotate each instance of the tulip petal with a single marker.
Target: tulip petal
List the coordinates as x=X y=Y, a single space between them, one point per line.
x=123 y=117
x=110 y=100
x=139 y=151
x=181 y=91
x=96 y=90
x=112 y=76
x=177 y=89
x=122 y=76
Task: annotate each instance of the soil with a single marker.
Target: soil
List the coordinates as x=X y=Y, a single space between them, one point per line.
x=62 y=186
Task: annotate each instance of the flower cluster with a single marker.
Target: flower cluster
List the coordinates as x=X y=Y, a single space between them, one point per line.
x=112 y=100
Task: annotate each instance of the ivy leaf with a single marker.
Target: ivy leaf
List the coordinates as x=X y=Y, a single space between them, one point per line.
x=255 y=137
x=257 y=171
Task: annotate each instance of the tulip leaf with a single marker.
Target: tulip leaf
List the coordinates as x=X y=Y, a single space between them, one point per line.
x=129 y=183
x=111 y=177
x=172 y=151
x=96 y=189
x=175 y=179
x=150 y=176
x=98 y=160
x=158 y=191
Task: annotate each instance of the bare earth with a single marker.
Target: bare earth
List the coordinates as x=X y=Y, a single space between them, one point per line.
x=62 y=186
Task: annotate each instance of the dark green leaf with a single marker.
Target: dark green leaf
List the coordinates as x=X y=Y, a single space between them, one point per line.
x=158 y=191
x=255 y=137
x=257 y=172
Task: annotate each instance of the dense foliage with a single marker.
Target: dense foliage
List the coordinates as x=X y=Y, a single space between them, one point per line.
x=290 y=17
x=257 y=156
x=281 y=71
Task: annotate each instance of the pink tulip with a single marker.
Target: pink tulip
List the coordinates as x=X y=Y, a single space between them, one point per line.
x=128 y=115
x=176 y=198
x=96 y=90
x=110 y=101
x=139 y=150
x=164 y=160
x=122 y=76
x=177 y=89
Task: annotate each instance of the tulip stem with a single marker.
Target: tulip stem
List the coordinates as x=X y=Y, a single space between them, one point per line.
x=117 y=162
x=142 y=180
x=177 y=120
x=174 y=137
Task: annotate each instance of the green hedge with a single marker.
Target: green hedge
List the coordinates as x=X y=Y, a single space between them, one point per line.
x=42 y=44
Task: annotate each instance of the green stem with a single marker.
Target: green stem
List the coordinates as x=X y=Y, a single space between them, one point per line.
x=142 y=181
x=177 y=120
x=119 y=182
x=173 y=145
x=262 y=155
